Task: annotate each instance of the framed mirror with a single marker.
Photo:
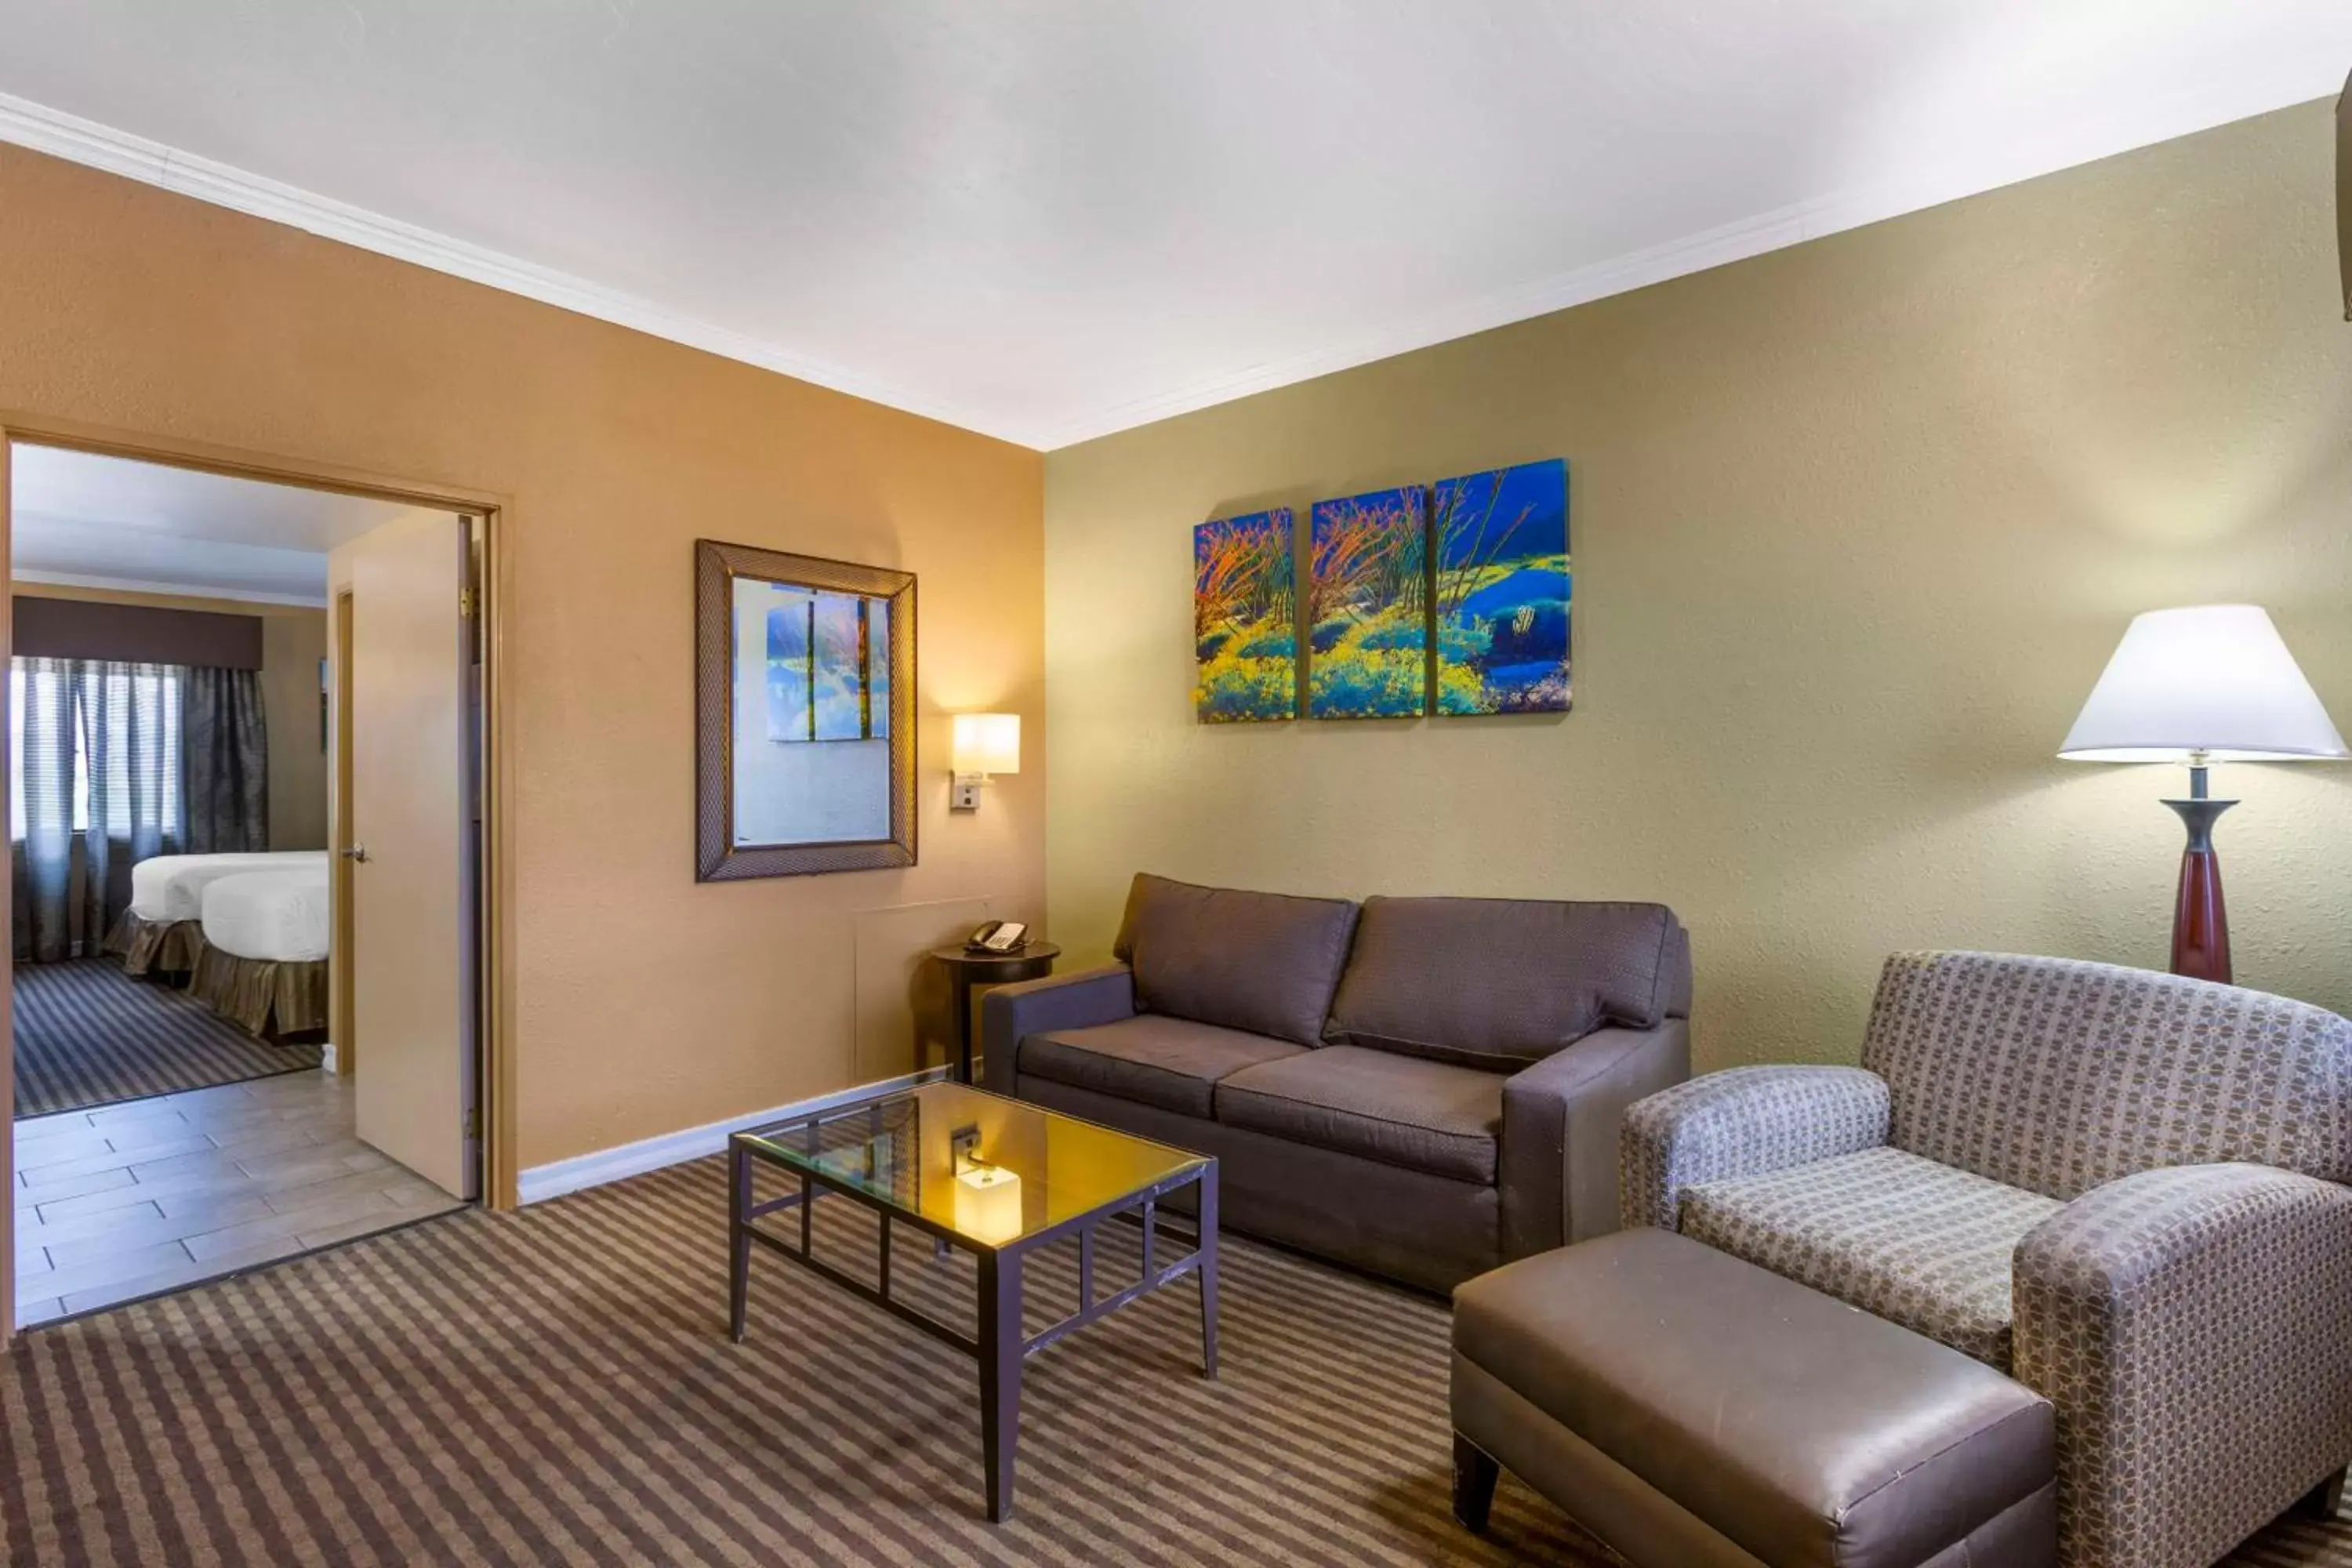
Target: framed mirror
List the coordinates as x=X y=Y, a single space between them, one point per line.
x=804 y=715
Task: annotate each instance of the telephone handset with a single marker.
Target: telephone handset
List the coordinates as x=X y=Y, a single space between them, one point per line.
x=997 y=936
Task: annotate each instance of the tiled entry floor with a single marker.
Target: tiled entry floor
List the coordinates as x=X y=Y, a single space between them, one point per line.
x=127 y=1200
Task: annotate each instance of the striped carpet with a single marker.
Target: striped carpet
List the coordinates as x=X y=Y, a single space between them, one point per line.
x=87 y=1034
x=556 y=1387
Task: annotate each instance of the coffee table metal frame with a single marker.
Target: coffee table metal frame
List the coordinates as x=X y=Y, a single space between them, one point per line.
x=1001 y=1347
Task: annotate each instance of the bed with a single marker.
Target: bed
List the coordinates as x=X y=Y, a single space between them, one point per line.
x=261 y=958
x=161 y=931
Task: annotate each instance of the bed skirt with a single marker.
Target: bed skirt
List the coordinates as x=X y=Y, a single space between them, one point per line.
x=261 y=996
x=159 y=947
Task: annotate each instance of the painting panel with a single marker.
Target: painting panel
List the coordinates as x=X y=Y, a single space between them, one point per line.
x=1368 y=607
x=1503 y=587
x=1245 y=619
x=827 y=673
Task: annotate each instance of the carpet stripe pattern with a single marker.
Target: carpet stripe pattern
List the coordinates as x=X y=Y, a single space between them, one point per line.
x=556 y=1387
x=87 y=1034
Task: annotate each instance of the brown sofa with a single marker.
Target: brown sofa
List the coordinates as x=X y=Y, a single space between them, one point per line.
x=1422 y=1088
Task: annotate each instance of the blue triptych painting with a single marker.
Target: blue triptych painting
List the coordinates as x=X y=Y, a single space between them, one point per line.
x=1502 y=593
x=1451 y=599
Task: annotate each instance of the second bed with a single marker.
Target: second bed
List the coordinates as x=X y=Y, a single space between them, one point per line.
x=262 y=960
x=162 y=933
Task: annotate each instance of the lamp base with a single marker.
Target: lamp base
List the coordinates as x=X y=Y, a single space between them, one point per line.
x=2200 y=925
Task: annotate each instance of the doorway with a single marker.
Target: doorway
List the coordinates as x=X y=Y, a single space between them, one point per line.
x=346 y=907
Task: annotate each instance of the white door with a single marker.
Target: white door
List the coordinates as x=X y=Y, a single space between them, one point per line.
x=410 y=846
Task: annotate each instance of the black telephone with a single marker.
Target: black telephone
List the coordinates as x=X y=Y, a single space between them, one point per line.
x=997 y=936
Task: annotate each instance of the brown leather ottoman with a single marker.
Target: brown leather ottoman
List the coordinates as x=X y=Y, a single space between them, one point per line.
x=1694 y=1411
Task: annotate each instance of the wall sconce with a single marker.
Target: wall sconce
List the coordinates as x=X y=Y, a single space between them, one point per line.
x=985 y=744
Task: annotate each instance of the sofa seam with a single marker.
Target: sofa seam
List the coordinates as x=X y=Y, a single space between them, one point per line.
x=1658 y=975
x=2040 y=1402
x=1158 y=1068
x=1427 y=1050
x=1496 y=1142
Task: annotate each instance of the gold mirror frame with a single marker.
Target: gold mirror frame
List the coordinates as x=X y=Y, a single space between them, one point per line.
x=718 y=857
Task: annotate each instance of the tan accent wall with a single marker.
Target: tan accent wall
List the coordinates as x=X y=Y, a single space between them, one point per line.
x=293 y=641
x=642 y=1002
x=1855 y=526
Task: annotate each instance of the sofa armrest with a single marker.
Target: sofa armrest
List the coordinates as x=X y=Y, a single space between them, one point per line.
x=1742 y=1121
x=1558 y=1165
x=2193 y=1327
x=1009 y=1014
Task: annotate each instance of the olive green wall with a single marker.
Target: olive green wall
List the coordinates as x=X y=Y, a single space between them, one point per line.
x=1854 y=526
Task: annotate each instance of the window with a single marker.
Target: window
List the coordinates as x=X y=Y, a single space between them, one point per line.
x=140 y=705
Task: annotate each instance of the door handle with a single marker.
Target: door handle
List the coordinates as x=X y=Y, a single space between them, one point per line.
x=356 y=853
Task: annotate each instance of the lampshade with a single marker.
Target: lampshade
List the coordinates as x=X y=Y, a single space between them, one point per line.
x=2214 y=679
x=987 y=744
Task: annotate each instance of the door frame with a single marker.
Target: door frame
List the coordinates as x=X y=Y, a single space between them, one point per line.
x=340 y=1014
x=494 y=947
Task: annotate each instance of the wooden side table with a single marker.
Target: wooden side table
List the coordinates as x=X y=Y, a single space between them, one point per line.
x=967 y=968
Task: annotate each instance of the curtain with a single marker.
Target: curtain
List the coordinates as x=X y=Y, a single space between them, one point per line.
x=130 y=731
x=229 y=763
x=41 y=868
x=97 y=766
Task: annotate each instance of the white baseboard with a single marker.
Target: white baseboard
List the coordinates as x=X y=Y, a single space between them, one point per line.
x=561 y=1176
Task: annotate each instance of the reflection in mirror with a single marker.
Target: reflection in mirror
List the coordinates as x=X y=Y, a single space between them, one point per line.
x=812 y=715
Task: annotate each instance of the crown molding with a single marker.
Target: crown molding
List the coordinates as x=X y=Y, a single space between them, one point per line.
x=173 y=590
x=1982 y=167
x=1984 y=164
x=44 y=130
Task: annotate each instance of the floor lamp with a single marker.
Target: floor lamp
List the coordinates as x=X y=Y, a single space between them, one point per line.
x=2209 y=684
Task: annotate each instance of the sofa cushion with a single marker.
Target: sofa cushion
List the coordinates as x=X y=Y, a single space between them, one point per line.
x=1172 y=1063
x=1923 y=1245
x=1500 y=983
x=1261 y=962
x=1402 y=1110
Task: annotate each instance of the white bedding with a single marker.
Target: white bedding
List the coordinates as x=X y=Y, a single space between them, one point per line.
x=166 y=888
x=281 y=916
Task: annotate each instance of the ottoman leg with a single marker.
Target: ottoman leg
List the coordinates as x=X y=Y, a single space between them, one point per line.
x=2322 y=1501
x=1475 y=1471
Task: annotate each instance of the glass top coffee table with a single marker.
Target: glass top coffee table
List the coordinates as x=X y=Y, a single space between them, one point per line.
x=998 y=1178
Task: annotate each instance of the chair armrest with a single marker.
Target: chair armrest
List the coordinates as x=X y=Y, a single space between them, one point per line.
x=1010 y=1014
x=1742 y=1121
x=1558 y=1165
x=2193 y=1327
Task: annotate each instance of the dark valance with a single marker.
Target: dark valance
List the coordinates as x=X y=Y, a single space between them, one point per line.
x=135 y=634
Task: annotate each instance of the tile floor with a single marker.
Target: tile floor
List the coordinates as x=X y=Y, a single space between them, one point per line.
x=127 y=1200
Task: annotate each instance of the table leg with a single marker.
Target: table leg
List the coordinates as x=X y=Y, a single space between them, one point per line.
x=1000 y=1376
x=963 y=1024
x=1207 y=1271
x=739 y=1237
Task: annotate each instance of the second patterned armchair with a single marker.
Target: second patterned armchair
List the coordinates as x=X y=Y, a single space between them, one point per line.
x=2125 y=1189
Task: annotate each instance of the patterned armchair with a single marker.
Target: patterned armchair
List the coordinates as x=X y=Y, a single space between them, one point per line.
x=2125 y=1189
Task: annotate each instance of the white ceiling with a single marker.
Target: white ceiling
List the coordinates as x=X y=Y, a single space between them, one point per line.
x=1046 y=219
x=111 y=522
